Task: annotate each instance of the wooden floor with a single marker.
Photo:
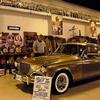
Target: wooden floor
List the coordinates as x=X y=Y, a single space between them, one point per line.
x=11 y=89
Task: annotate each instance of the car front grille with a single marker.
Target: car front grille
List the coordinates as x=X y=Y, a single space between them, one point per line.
x=24 y=68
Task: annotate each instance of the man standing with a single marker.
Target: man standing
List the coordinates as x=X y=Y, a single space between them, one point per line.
x=39 y=46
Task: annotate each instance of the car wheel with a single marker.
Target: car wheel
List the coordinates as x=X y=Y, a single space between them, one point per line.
x=25 y=83
x=60 y=83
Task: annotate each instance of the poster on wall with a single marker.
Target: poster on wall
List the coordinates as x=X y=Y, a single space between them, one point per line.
x=74 y=31
x=57 y=26
x=93 y=29
x=17 y=39
x=10 y=40
x=42 y=88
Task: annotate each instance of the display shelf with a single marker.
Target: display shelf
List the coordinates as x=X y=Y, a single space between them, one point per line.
x=42 y=13
x=28 y=40
x=76 y=19
x=39 y=13
x=24 y=10
x=4 y=37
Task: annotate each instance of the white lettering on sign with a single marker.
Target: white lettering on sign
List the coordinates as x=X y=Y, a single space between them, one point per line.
x=42 y=88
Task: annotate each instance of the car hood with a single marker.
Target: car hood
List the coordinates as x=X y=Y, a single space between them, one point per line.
x=49 y=60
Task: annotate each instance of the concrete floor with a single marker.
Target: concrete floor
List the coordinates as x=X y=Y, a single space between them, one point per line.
x=11 y=89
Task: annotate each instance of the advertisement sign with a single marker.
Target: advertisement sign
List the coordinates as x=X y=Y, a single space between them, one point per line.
x=42 y=88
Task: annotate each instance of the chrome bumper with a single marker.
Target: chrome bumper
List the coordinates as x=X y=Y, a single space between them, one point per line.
x=24 y=78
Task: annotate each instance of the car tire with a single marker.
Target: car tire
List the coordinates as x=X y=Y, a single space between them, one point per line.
x=60 y=83
x=25 y=83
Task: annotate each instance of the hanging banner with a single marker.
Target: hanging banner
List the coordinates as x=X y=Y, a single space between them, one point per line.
x=42 y=88
x=57 y=26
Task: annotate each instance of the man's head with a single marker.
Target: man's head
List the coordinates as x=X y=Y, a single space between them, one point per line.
x=40 y=38
x=57 y=18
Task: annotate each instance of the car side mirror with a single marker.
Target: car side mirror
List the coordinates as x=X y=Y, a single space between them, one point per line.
x=85 y=56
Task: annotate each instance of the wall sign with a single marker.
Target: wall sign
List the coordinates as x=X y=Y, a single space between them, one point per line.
x=42 y=88
x=16 y=28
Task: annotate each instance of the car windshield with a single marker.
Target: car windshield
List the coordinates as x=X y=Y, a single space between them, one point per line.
x=70 y=49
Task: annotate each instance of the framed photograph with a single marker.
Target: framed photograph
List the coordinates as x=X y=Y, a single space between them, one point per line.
x=57 y=25
x=16 y=28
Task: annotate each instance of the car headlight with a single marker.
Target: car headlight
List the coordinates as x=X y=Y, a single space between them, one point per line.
x=43 y=69
x=38 y=69
x=35 y=68
x=17 y=65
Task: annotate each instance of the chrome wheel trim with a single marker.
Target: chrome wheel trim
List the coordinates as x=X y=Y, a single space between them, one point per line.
x=62 y=82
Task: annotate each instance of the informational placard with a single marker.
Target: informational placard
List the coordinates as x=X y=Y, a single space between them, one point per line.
x=42 y=88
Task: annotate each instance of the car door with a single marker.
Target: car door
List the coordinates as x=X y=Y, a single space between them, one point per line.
x=91 y=64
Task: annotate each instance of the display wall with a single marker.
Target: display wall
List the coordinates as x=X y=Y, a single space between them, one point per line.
x=26 y=22
x=31 y=22
x=72 y=28
x=69 y=6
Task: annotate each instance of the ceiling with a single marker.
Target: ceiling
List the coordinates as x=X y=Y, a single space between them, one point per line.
x=93 y=4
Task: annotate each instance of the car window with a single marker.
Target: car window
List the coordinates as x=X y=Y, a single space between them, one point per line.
x=70 y=49
x=92 y=51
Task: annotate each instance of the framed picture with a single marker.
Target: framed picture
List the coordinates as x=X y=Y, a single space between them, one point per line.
x=57 y=25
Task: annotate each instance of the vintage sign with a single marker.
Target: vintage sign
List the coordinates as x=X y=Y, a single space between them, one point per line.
x=42 y=88
x=16 y=28
x=18 y=40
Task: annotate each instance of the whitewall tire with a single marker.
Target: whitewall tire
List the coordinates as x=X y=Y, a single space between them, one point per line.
x=60 y=83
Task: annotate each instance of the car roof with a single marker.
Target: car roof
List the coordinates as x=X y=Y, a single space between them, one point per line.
x=83 y=44
x=89 y=39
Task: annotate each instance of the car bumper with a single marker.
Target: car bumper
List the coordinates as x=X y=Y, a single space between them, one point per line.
x=24 y=78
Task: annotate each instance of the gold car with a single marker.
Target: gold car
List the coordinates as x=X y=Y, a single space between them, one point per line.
x=70 y=62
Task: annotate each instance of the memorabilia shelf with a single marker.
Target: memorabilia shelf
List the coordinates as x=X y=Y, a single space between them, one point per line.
x=40 y=13
x=23 y=10
x=38 y=8
x=75 y=19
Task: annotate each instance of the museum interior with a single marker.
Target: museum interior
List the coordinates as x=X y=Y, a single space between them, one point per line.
x=49 y=50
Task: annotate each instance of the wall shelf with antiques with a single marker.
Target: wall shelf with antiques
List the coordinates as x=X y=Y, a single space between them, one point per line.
x=23 y=10
x=10 y=51
x=11 y=46
x=75 y=19
x=47 y=10
x=40 y=13
x=29 y=37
